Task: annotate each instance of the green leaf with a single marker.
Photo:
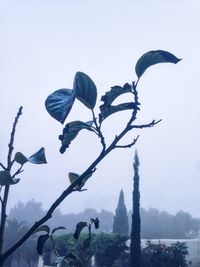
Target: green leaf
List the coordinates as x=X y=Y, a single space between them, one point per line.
x=20 y=158
x=115 y=91
x=59 y=103
x=44 y=228
x=85 y=89
x=73 y=177
x=154 y=57
x=109 y=110
x=40 y=243
x=58 y=228
x=38 y=157
x=96 y=222
x=71 y=130
x=79 y=228
x=6 y=178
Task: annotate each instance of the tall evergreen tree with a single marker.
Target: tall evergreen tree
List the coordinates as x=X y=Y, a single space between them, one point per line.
x=120 y=224
x=135 y=247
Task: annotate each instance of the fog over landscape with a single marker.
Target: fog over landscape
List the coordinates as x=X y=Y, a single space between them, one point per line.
x=44 y=43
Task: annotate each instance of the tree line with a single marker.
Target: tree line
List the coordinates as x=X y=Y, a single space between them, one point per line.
x=155 y=224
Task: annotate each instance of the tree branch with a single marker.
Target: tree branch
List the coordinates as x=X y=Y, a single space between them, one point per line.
x=2 y=166
x=129 y=145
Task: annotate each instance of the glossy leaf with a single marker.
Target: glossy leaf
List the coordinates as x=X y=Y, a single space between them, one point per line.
x=107 y=111
x=71 y=130
x=85 y=89
x=6 y=178
x=44 y=228
x=20 y=158
x=79 y=228
x=115 y=91
x=40 y=243
x=59 y=104
x=154 y=57
x=58 y=228
x=38 y=157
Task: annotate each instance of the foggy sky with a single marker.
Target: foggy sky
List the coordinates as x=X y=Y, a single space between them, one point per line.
x=44 y=43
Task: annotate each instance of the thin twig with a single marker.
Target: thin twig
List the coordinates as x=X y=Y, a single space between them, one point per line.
x=100 y=134
x=129 y=145
x=151 y=124
x=10 y=145
x=2 y=166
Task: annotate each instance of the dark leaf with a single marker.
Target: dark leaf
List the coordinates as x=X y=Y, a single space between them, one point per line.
x=58 y=228
x=38 y=157
x=85 y=89
x=73 y=177
x=115 y=91
x=20 y=158
x=154 y=57
x=96 y=222
x=79 y=228
x=44 y=228
x=71 y=130
x=105 y=112
x=40 y=243
x=59 y=103
x=6 y=178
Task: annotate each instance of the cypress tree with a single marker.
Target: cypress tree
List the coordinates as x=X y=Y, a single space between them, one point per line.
x=120 y=224
x=135 y=247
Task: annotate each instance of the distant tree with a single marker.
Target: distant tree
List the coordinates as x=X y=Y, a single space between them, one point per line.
x=28 y=212
x=135 y=247
x=107 y=248
x=27 y=252
x=120 y=224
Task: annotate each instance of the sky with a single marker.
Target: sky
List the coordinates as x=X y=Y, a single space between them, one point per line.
x=44 y=43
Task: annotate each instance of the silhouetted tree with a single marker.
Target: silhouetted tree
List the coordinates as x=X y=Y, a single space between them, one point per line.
x=135 y=248
x=120 y=224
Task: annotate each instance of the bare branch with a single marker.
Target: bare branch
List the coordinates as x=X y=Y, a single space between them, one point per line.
x=151 y=124
x=129 y=145
x=2 y=166
x=12 y=136
x=98 y=129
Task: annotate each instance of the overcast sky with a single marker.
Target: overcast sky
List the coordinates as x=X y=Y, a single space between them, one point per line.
x=44 y=43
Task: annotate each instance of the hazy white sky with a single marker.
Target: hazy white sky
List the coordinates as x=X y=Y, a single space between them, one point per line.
x=44 y=43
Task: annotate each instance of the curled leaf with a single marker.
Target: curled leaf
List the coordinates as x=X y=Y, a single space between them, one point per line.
x=6 y=178
x=20 y=158
x=154 y=57
x=109 y=110
x=85 y=89
x=40 y=243
x=79 y=228
x=115 y=91
x=44 y=228
x=71 y=130
x=96 y=222
x=38 y=157
x=59 y=103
